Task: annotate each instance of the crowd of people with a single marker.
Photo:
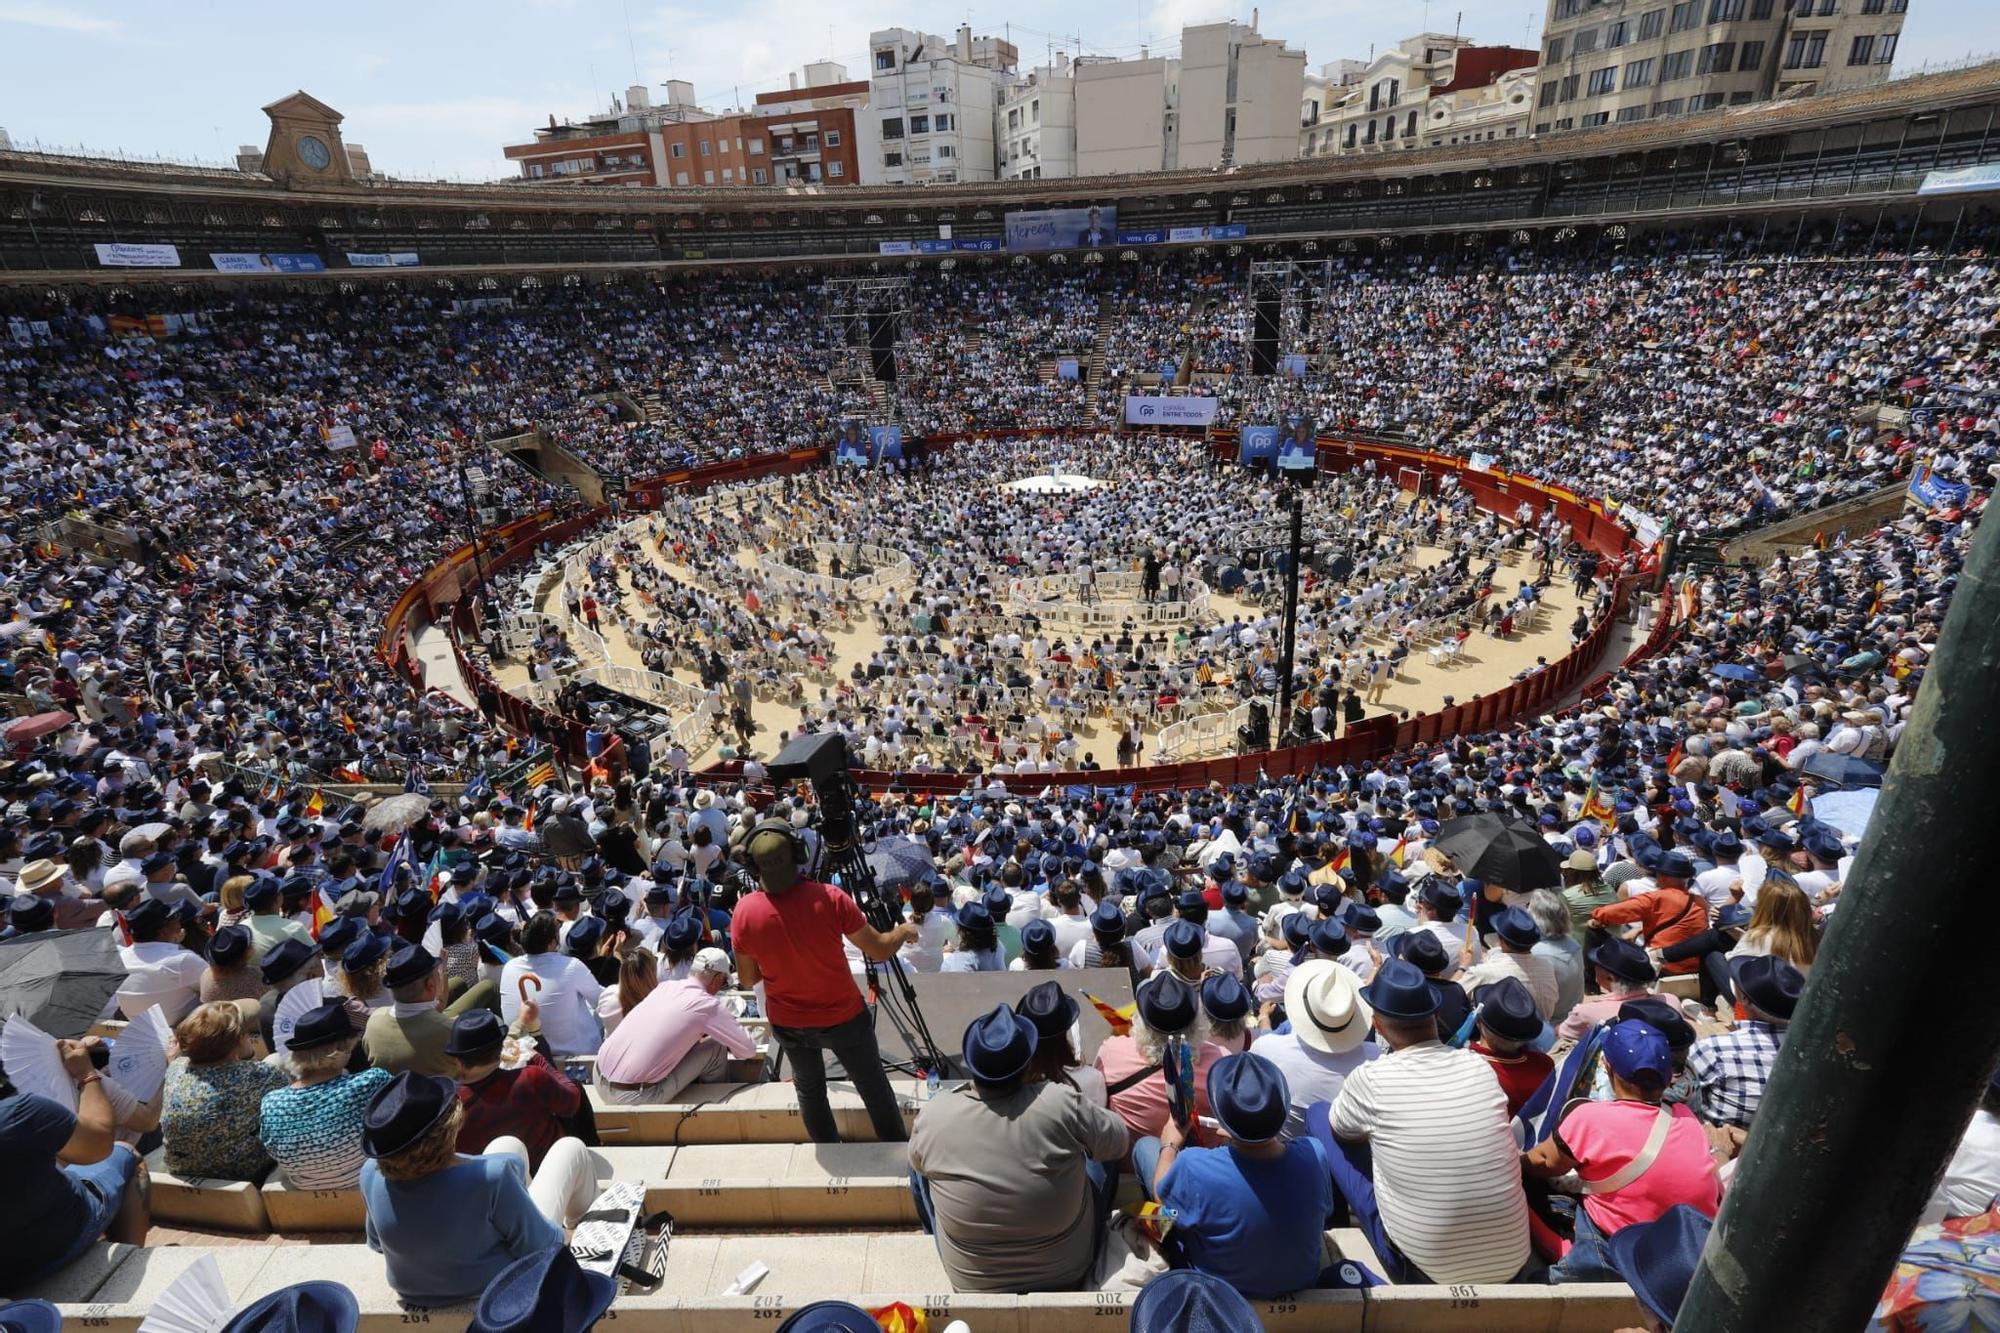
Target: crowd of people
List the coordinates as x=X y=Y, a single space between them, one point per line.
x=1357 y=1025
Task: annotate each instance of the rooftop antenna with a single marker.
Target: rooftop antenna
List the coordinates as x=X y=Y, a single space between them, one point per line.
x=630 y=46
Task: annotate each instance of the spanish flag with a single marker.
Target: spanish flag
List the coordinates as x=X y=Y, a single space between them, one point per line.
x=1118 y=1020
x=1875 y=602
x=316 y=803
x=323 y=913
x=1674 y=758
x=346 y=722
x=1800 y=804
x=185 y=562
x=1396 y=853
x=900 y=1317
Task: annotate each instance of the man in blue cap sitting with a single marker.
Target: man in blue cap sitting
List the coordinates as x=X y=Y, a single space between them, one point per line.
x=1009 y=1174
x=1253 y=1210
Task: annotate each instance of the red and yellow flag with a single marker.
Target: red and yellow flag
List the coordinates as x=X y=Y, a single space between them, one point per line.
x=316 y=803
x=1800 y=804
x=900 y=1318
x=1597 y=808
x=1117 y=1019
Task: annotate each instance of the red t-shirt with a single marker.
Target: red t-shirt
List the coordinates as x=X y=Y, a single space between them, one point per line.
x=795 y=938
x=1520 y=1076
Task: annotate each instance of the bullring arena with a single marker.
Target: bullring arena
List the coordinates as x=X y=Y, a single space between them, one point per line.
x=1287 y=769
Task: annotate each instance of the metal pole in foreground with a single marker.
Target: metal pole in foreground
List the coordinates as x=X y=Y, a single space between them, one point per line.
x=472 y=532
x=1291 y=617
x=1894 y=1039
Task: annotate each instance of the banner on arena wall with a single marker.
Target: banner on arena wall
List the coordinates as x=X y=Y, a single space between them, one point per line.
x=244 y=262
x=1062 y=228
x=1962 y=180
x=1154 y=410
x=897 y=247
x=977 y=244
x=338 y=436
x=885 y=445
x=1480 y=462
x=851 y=445
x=1298 y=451
x=1257 y=446
x=1067 y=368
x=1931 y=491
x=394 y=259
x=943 y=247
x=118 y=254
x=1143 y=236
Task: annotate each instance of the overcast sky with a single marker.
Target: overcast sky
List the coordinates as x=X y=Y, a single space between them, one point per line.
x=436 y=87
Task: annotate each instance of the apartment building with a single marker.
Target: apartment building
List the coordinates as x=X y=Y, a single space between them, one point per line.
x=1035 y=123
x=1612 y=61
x=1428 y=89
x=932 y=102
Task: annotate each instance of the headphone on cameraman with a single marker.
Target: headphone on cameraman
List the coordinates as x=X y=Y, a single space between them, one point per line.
x=801 y=855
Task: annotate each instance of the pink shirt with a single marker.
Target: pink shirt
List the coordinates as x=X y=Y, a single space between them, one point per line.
x=656 y=1036
x=1591 y=1011
x=1604 y=1136
x=1143 y=1106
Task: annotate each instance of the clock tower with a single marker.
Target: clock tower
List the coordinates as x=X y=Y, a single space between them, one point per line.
x=305 y=146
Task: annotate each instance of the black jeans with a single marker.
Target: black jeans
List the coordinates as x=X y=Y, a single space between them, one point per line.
x=853 y=1044
x=1712 y=947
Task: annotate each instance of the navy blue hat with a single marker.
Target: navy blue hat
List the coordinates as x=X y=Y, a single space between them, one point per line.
x=567 y=892
x=659 y=892
x=1235 y=891
x=157 y=861
x=1166 y=1003
x=1624 y=960
x=322 y=1025
x=1657 y=1259
x=829 y=1317
x=998 y=902
x=1824 y=844
x=411 y=963
x=681 y=932
x=1329 y=937
x=149 y=917
x=1050 y=1008
x=408 y=1107
x=1362 y=919
x=306 y=1307
x=229 y=944
x=1509 y=1010
x=409 y=905
x=547 y=1292
x=475 y=1032
x=1191 y=900
x=1401 y=991
x=1224 y=999
x=1674 y=866
x=493 y=928
x=338 y=933
x=1038 y=937
x=1187 y=1298
x=1297 y=929
x=1249 y=1095
x=37 y=1317
x=998 y=1046
x=1108 y=920
x=585 y=936
x=280 y=960
x=1183 y=939
x=1663 y=1014
x=1768 y=983
x=1516 y=927
x=364 y=951
x=261 y=891
x=449 y=914
x=465 y=872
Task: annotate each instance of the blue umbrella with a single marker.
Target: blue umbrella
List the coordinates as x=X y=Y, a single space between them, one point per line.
x=1731 y=671
x=1844 y=770
x=899 y=862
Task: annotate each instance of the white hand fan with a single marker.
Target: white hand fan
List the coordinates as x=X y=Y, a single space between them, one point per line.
x=33 y=1064
x=299 y=1001
x=139 y=1056
x=195 y=1302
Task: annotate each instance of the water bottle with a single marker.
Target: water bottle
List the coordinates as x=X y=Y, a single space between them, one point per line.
x=931 y=1085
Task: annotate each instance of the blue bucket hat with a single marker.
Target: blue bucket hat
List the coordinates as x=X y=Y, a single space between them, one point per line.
x=548 y=1292
x=308 y=1307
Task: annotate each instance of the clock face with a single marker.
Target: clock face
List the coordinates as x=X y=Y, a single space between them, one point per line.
x=314 y=153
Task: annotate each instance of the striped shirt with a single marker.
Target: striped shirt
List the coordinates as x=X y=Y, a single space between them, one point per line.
x=1447 y=1174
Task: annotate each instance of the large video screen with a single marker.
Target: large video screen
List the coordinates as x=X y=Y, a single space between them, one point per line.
x=1297 y=451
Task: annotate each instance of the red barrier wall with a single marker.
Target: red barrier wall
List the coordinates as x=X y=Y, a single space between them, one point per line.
x=442 y=585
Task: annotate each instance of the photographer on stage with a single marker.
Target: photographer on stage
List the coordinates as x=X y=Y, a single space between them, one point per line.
x=789 y=938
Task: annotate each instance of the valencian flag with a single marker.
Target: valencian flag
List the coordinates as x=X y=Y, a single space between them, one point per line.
x=1599 y=809
x=541 y=773
x=1117 y=1019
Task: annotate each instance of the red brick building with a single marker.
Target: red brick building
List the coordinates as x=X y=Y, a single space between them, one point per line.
x=795 y=135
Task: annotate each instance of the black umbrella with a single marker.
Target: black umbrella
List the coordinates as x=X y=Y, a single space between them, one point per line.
x=60 y=980
x=1500 y=850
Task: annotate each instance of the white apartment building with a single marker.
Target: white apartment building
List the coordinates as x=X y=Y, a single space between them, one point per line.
x=1035 y=123
x=1239 y=96
x=933 y=101
x=1127 y=115
x=1428 y=90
